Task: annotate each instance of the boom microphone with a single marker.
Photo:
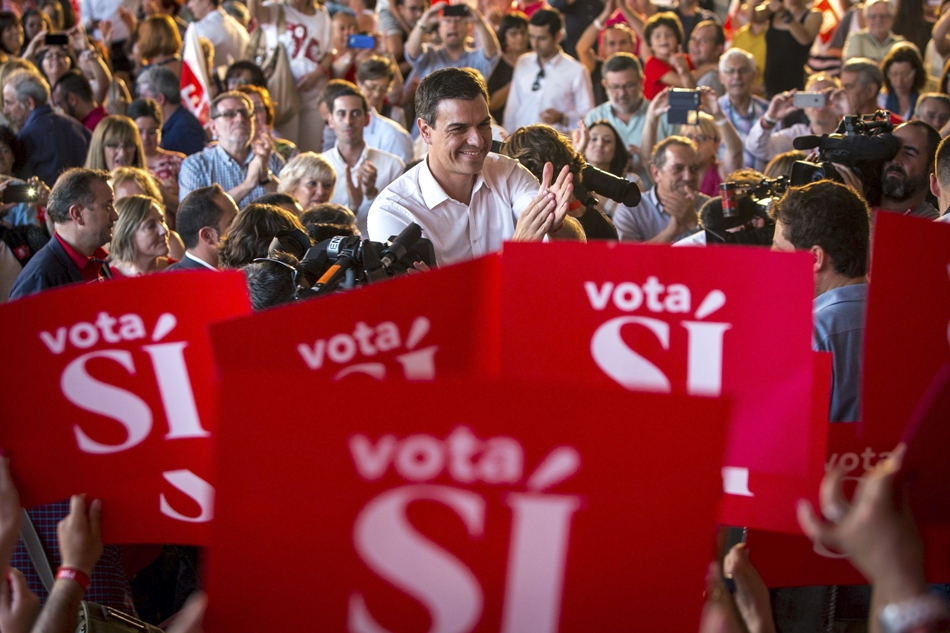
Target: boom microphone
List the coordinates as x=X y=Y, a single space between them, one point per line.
x=401 y=244
x=806 y=142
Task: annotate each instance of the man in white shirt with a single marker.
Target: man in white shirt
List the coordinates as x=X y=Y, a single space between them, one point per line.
x=466 y=200
x=548 y=86
x=361 y=171
x=226 y=33
x=375 y=77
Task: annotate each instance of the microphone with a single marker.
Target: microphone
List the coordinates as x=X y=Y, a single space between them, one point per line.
x=401 y=244
x=807 y=142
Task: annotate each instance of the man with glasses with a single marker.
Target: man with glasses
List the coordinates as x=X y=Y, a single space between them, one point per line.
x=548 y=86
x=876 y=41
x=626 y=109
x=396 y=27
x=242 y=165
x=741 y=107
x=51 y=142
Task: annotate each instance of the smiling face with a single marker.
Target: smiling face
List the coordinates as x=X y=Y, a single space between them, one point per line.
x=703 y=47
x=680 y=171
x=150 y=132
x=601 y=146
x=460 y=138
x=343 y=26
x=55 y=63
x=12 y=39
x=313 y=189
x=664 y=42
x=151 y=238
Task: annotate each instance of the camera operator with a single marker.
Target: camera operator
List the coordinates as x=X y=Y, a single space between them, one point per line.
x=767 y=138
x=668 y=212
x=831 y=221
x=533 y=146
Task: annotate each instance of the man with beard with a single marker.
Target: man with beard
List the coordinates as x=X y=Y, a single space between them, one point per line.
x=905 y=179
x=361 y=171
x=244 y=168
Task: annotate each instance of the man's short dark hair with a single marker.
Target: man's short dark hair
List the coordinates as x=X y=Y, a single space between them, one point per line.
x=720 y=33
x=448 y=83
x=74 y=186
x=867 y=70
x=75 y=83
x=271 y=283
x=161 y=80
x=830 y=215
x=942 y=167
x=658 y=154
x=374 y=68
x=257 y=75
x=333 y=89
x=348 y=90
x=328 y=213
x=535 y=145
x=279 y=199
x=619 y=62
x=933 y=139
x=550 y=18
x=197 y=211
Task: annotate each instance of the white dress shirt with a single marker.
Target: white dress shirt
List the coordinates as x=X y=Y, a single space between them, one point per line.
x=387 y=135
x=458 y=231
x=95 y=11
x=388 y=168
x=566 y=87
x=227 y=35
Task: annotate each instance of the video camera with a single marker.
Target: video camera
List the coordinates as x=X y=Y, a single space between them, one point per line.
x=738 y=216
x=345 y=262
x=861 y=143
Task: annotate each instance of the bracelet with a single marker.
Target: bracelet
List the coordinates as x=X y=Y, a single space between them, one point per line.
x=598 y=24
x=769 y=121
x=721 y=122
x=71 y=573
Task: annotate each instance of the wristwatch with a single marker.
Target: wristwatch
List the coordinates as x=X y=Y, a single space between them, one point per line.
x=268 y=177
x=910 y=615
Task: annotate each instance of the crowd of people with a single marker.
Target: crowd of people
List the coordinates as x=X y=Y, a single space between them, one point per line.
x=482 y=123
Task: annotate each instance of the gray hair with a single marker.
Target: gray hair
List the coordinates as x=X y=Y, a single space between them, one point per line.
x=886 y=3
x=27 y=83
x=867 y=70
x=161 y=80
x=736 y=52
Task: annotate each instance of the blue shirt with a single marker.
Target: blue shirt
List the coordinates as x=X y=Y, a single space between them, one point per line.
x=182 y=132
x=52 y=143
x=648 y=219
x=839 y=329
x=435 y=58
x=743 y=123
x=214 y=165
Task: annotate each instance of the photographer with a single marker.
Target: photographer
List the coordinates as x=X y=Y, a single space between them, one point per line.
x=831 y=221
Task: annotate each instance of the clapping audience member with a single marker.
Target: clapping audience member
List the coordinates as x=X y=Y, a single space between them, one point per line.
x=139 y=239
x=309 y=178
x=264 y=119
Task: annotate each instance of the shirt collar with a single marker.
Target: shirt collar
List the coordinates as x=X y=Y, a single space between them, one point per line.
x=200 y=261
x=841 y=294
x=432 y=192
x=78 y=258
x=227 y=157
x=338 y=156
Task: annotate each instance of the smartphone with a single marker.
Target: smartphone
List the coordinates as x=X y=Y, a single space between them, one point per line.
x=810 y=99
x=684 y=104
x=20 y=193
x=361 y=41
x=56 y=39
x=455 y=11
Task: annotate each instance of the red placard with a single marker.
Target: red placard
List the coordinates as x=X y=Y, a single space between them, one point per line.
x=906 y=338
x=787 y=560
x=462 y=506
x=115 y=397
x=417 y=327
x=732 y=321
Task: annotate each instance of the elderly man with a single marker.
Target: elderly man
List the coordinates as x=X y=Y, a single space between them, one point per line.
x=548 y=86
x=626 y=109
x=705 y=48
x=669 y=211
x=81 y=209
x=741 y=107
x=454 y=52
x=876 y=41
x=243 y=167
x=933 y=108
x=469 y=201
x=767 y=138
x=862 y=80
x=51 y=142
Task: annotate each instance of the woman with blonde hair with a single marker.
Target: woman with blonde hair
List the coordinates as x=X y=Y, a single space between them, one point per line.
x=132 y=181
x=309 y=178
x=139 y=238
x=159 y=43
x=115 y=143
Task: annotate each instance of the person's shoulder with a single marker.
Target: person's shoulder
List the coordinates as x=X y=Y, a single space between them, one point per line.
x=375 y=154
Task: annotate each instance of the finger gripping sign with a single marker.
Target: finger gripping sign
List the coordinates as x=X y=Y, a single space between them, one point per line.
x=463 y=506
x=115 y=398
x=708 y=322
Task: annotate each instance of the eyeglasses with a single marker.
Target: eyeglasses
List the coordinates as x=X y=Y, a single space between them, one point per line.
x=230 y=114
x=537 y=80
x=628 y=87
x=879 y=16
x=737 y=71
x=128 y=147
x=698 y=138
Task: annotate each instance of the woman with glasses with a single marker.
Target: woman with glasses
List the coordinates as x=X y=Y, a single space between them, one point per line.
x=904 y=80
x=139 y=239
x=115 y=143
x=161 y=163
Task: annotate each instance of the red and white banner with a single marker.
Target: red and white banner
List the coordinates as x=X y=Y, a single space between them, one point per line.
x=417 y=327
x=460 y=506
x=195 y=83
x=114 y=396
x=725 y=321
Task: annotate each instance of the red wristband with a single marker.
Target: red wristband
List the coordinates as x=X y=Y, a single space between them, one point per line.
x=71 y=573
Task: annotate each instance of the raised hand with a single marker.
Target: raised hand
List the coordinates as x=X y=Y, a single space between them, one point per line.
x=80 y=539
x=353 y=190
